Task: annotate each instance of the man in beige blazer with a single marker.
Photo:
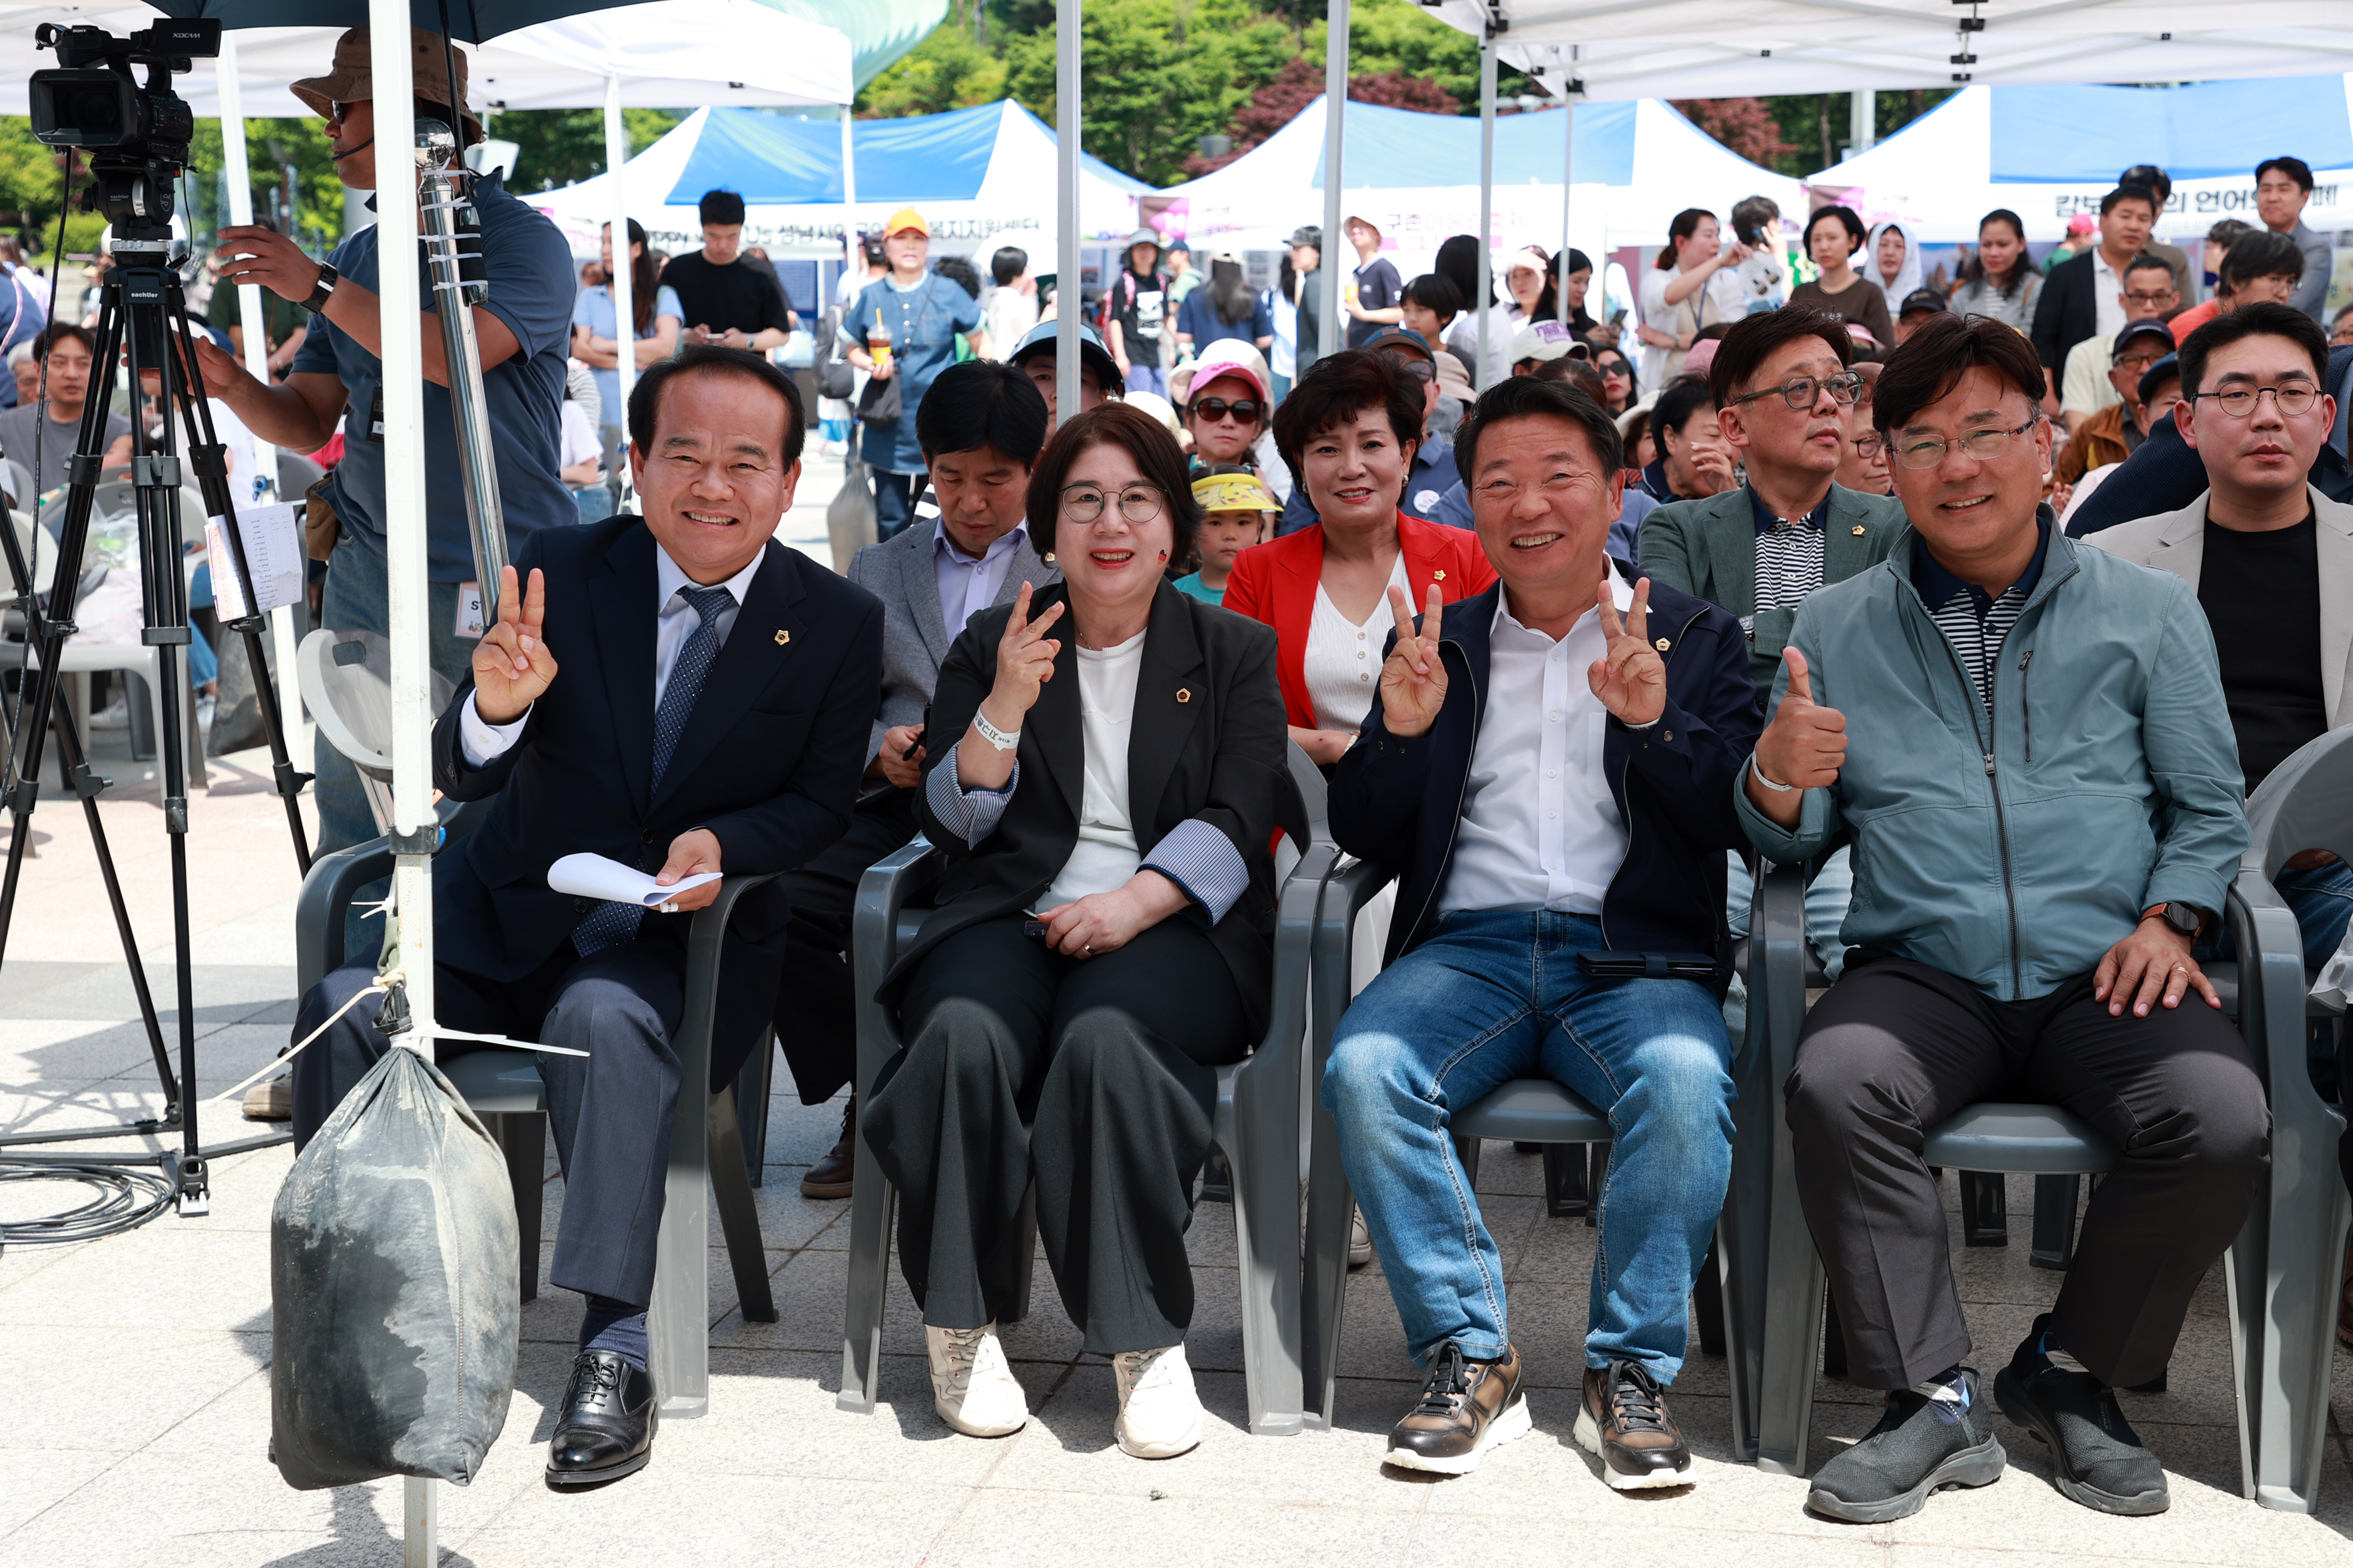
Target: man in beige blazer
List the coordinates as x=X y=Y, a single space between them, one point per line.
x=2270 y=560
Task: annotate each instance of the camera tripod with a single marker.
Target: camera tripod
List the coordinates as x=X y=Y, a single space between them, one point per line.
x=142 y=317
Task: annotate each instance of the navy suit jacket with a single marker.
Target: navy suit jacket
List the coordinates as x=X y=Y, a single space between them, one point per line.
x=1399 y=801
x=2166 y=474
x=769 y=761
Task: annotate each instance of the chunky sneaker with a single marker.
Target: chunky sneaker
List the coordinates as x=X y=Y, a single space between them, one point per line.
x=1159 y=1414
x=1921 y=1444
x=972 y=1388
x=1360 y=1240
x=1624 y=1423
x=2097 y=1458
x=1466 y=1408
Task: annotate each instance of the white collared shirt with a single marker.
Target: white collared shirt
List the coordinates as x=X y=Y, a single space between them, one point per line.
x=483 y=743
x=1540 y=830
x=2107 y=294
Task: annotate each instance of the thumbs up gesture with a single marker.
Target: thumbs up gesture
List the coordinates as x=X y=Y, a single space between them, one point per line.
x=1803 y=747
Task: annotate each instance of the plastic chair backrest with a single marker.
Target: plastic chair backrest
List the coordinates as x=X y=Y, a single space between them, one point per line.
x=2306 y=803
x=296 y=475
x=346 y=679
x=38 y=548
x=20 y=483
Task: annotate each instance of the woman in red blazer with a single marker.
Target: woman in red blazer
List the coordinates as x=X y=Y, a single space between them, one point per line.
x=1349 y=430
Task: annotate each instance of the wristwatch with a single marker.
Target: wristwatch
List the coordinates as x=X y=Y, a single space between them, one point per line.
x=324 y=291
x=2183 y=917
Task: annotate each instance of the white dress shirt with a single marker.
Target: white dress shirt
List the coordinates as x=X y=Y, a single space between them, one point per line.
x=1537 y=780
x=1342 y=663
x=483 y=743
x=968 y=583
x=2107 y=295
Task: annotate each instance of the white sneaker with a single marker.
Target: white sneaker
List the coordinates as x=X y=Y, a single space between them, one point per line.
x=115 y=715
x=1159 y=1414
x=1360 y=1241
x=972 y=1388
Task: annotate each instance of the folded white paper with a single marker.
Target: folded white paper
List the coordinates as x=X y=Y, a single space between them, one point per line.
x=595 y=877
x=273 y=553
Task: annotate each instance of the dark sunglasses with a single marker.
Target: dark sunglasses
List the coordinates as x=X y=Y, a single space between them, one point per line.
x=1213 y=409
x=1418 y=370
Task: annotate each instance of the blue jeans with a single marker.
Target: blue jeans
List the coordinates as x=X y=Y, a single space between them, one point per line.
x=895 y=503
x=1827 y=898
x=1493 y=995
x=2321 y=899
x=1143 y=377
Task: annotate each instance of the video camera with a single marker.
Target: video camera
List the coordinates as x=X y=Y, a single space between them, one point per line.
x=136 y=135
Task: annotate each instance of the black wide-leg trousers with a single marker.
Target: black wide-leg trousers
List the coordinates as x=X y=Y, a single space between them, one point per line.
x=1896 y=1048
x=1095 y=1077
x=611 y=1109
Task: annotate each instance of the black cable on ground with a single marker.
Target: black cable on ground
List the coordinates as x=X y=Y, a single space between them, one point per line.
x=126 y=1198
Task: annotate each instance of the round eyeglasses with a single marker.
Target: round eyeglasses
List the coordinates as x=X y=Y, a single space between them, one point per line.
x=1802 y=392
x=1985 y=446
x=2239 y=402
x=1084 y=503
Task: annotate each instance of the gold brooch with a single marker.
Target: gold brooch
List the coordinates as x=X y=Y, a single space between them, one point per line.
x=1858 y=530
x=1047 y=558
x=1184 y=694
x=1438 y=576
x=782 y=637
x=1663 y=644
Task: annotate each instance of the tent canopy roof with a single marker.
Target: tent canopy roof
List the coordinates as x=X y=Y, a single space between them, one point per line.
x=775 y=160
x=2073 y=135
x=1388 y=148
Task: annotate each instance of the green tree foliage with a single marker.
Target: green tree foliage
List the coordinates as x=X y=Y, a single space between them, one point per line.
x=559 y=146
x=271 y=146
x=946 y=70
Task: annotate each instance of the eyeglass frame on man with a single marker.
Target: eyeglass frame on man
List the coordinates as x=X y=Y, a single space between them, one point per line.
x=1849 y=381
x=1071 y=508
x=2155 y=303
x=1903 y=453
x=2220 y=397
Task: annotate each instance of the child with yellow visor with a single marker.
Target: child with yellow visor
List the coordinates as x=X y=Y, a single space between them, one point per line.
x=1237 y=511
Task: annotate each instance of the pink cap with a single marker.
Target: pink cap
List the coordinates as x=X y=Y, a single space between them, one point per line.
x=1229 y=356
x=1702 y=355
x=2082 y=223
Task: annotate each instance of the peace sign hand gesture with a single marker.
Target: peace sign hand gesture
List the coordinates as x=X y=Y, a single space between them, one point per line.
x=1630 y=678
x=512 y=667
x=1025 y=662
x=1413 y=680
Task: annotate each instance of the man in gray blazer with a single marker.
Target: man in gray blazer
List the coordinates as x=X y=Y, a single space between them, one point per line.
x=1782 y=386
x=981 y=428
x=2270 y=560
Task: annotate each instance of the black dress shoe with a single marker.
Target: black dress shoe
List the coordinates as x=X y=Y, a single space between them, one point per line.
x=830 y=1177
x=606 y=1429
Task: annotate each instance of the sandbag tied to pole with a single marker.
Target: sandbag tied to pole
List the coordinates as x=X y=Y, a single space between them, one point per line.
x=392 y=1258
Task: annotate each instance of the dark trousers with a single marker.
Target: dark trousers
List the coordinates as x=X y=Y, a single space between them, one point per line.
x=816 y=1016
x=611 y=1109
x=1897 y=1047
x=895 y=503
x=1095 y=1079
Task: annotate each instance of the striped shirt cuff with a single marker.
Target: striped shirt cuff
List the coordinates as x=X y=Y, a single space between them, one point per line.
x=972 y=814
x=1203 y=861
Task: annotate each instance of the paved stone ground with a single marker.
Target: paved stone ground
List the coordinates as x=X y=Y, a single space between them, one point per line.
x=139 y=1364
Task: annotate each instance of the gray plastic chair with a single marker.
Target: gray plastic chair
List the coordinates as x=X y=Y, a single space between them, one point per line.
x=1531 y=1111
x=503 y=1086
x=2282 y=1272
x=346 y=679
x=1257 y=1125
x=296 y=475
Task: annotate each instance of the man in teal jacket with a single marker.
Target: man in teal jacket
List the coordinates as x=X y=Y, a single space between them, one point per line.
x=2027 y=744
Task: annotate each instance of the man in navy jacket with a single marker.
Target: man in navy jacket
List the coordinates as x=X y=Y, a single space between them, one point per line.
x=1550 y=771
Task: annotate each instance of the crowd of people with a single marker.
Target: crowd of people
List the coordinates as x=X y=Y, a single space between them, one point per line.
x=1787 y=567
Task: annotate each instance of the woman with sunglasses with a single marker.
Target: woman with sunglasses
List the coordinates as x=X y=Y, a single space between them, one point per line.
x=1348 y=432
x=1108 y=774
x=1226 y=404
x=1620 y=389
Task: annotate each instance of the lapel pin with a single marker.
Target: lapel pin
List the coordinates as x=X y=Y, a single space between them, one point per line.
x=1438 y=576
x=782 y=637
x=1858 y=530
x=1047 y=558
x=1184 y=694
x=1663 y=644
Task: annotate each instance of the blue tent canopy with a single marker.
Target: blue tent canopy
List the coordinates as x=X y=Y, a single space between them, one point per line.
x=775 y=160
x=1391 y=148
x=2084 y=135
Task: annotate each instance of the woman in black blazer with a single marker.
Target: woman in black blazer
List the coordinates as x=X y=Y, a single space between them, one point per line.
x=1107 y=767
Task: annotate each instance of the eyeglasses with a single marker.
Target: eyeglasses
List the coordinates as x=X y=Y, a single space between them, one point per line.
x=1213 y=409
x=1985 y=446
x=1867 y=444
x=336 y=111
x=1802 y=392
x=2136 y=361
x=1084 y=503
x=2293 y=398
x=2153 y=302
x=1412 y=369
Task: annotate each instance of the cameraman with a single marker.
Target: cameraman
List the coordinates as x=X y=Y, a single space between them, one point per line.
x=337 y=377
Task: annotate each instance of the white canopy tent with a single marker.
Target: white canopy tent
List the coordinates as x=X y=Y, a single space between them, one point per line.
x=1937 y=175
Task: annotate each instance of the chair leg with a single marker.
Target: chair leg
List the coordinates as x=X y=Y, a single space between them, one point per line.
x=2055 y=1221
x=1833 y=1339
x=1025 y=1255
x=1266 y=1249
x=739 y=1220
x=1324 y=1277
x=1707 y=1304
x=871 y=1201
x=1563 y=1180
x=1596 y=1176
x=752 y=1106
x=523 y=1139
x=1985 y=1220
x=1467 y=1151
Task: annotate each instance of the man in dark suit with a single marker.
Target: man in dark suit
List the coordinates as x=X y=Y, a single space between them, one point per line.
x=981 y=427
x=2082 y=296
x=1552 y=773
x=714 y=717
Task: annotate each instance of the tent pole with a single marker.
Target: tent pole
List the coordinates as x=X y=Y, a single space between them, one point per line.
x=622 y=285
x=1863 y=121
x=1567 y=179
x=1487 y=182
x=1332 y=334
x=852 y=254
x=255 y=326
x=1068 y=308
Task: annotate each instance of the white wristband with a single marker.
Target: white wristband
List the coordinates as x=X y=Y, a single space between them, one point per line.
x=1003 y=739
x=1768 y=783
